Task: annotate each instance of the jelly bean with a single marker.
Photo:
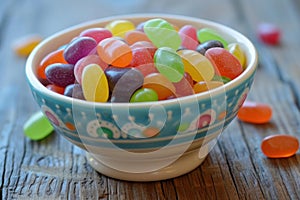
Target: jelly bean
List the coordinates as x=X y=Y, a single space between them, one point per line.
x=37 y=127
x=254 y=112
x=203 y=47
x=85 y=61
x=94 y=84
x=79 y=48
x=184 y=87
x=236 y=50
x=221 y=78
x=127 y=85
x=188 y=35
x=269 y=33
x=197 y=65
x=55 y=88
x=206 y=34
x=280 y=146
x=98 y=34
x=147 y=69
x=158 y=82
x=75 y=91
x=113 y=75
x=204 y=86
x=120 y=27
x=60 y=74
x=134 y=36
x=144 y=95
x=169 y=63
x=162 y=33
x=142 y=54
x=51 y=58
x=224 y=62
x=114 y=52
x=24 y=46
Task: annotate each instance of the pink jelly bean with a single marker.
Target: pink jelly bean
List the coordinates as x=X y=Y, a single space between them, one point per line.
x=79 y=48
x=85 y=61
x=142 y=53
x=184 y=87
x=97 y=34
x=188 y=35
x=269 y=33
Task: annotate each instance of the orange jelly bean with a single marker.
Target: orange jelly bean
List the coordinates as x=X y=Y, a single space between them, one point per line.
x=51 y=58
x=256 y=113
x=280 y=146
x=133 y=36
x=160 y=84
x=115 y=52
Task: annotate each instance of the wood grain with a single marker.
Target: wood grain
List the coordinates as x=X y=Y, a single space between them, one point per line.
x=235 y=169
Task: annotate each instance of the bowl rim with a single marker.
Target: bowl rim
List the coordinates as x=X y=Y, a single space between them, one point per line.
x=237 y=36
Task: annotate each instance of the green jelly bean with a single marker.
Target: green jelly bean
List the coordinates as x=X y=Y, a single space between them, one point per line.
x=223 y=79
x=37 y=127
x=169 y=64
x=162 y=33
x=207 y=34
x=144 y=95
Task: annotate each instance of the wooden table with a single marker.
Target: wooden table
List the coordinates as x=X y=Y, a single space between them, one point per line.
x=235 y=169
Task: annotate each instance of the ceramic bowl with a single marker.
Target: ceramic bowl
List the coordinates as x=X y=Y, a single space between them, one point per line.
x=144 y=141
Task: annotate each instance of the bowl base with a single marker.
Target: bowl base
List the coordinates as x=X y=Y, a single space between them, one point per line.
x=184 y=164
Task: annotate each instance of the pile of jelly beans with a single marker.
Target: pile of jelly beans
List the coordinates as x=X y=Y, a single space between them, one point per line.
x=154 y=60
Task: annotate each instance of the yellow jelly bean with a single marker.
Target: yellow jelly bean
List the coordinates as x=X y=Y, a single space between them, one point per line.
x=23 y=46
x=120 y=27
x=236 y=50
x=197 y=65
x=94 y=84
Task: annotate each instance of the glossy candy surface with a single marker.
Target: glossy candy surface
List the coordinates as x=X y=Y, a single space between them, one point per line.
x=224 y=62
x=269 y=33
x=114 y=52
x=169 y=64
x=56 y=56
x=98 y=34
x=94 y=84
x=24 y=46
x=79 y=48
x=60 y=74
x=207 y=34
x=236 y=50
x=144 y=95
x=203 y=47
x=255 y=112
x=162 y=33
x=280 y=146
x=85 y=61
x=120 y=27
x=197 y=65
x=188 y=35
x=160 y=84
x=37 y=127
x=127 y=84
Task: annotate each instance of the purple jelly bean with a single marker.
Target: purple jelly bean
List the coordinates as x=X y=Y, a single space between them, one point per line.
x=79 y=48
x=203 y=47
x=60 y=74
x=75 y=91
x=125 y=82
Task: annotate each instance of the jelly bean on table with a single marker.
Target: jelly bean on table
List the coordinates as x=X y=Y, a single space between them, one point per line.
x=255 y=112
x=24 y=46
x=269 y=33
x=280 y=146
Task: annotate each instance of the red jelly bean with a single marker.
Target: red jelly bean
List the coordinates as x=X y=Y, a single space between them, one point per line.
x=269 y=33
x=256 y=113
x=280 y=146
x=55 y=88
x=224 y=62
x=188 y=35
x=142 y=53
x=98 y=34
